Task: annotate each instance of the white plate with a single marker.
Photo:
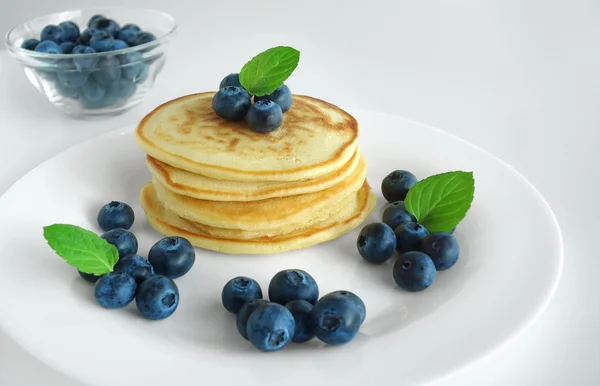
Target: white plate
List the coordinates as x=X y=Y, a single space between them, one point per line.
x=508 y=270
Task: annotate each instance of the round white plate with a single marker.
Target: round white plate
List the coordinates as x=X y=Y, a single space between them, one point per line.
x=511 y=259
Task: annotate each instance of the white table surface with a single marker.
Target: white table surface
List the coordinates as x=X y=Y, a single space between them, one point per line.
x=519 y=78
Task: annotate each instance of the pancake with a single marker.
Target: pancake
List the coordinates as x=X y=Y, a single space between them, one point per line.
x=269 y=214
x=316 y=138
x=324 y=217
x=348 y=219
x=206 y=188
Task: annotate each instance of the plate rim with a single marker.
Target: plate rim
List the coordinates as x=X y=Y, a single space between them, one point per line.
x=523 y=326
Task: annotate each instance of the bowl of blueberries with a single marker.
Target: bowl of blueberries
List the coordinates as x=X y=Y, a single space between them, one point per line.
x=93 y=62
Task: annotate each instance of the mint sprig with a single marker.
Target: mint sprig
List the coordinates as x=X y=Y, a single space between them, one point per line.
x=81 y=248
x=441 y=201
x=264 y=73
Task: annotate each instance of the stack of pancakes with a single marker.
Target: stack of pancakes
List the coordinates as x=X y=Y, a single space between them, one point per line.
x=227 y=188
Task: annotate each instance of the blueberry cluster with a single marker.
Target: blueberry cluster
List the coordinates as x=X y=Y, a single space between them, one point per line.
x=234 y=103
x=102 y=34
x=98 y=81
x=422 y=253
x=294 y=313
x=149 y=281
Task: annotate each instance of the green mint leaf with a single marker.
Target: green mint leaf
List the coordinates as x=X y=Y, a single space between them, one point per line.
x=268 y=70
x=441 y=201
x=81 y=248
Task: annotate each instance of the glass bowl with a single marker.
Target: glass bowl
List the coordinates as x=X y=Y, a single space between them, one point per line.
x=95 y=84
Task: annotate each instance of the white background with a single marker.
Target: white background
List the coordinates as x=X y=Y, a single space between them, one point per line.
x=519 y=78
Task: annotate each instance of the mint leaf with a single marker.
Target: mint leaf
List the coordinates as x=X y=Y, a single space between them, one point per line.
x=441 y=201
x=81 y=248
x=269 y=69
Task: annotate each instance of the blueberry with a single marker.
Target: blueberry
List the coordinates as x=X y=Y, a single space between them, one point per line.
x=396 y=214
x=143 y=74
x=30 y=44
x=102 y=41
x=244 y=313
x=72 y=79
x=67 y=47
x=48 y=75
x=354 y=299
x=231 y=80
x=108 y=71
x=94 y=18
x=106 y=25
x=270 y=327
x=114 y=290
x=396 y=185
x=86 y=36
x=48 y=47
x=238 y=291
x=336 y=319
x=231 y=103
x=131 y=27
x=264 y=116
x=443 y=249
x=157 y=297
x=376 y=243
x=131 y=65
x=89 y=277
x=409 y=236
x=282 y=96
x=70 y=30
x=104 y=102
x=300 y=310
x=143 y=38
x=93 y=93
x=66 y=92
x=136 y=266
x=82 y=64
x=293 y=284
x=115 y=214
x=172 y=257
x=53 y=33
x=119 y=45
x=121 y=90
x=128 y=36
x=124 y=240
x=414 y=271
